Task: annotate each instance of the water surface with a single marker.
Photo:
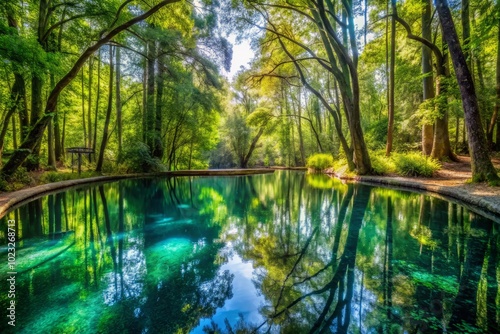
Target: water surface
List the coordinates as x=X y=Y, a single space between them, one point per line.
x=282 y=253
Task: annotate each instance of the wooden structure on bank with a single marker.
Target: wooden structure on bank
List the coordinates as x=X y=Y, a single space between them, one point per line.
x=79 y=151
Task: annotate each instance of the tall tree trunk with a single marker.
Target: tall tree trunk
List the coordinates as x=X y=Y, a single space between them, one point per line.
x=465 y=14
x=89 y=107
x=33 y=163
x=145 y=100
x=118 y=102
x=105 y=134
x=18 y=102
x=390 y=125
x=441 y=147
x=158 y=150
x=36 y=132
x=51 y=161
x=50 y=140
x=482 y=168
x=37 y=85
x=494 y=118
x=97 y=99
x=19 y=87
x=427 y=81
x=84 y=126
x=150 y=120
x=299 y=129
x=58 y=147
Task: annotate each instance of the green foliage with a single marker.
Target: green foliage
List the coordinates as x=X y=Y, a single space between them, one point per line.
x=376 y=134
x=19 y=180
x=51 y=177
x=381 y=164
x=415 y=164
x=319 y=161
x=137 y=159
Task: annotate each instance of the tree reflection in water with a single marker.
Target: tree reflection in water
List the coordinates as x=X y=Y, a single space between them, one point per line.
x=158 y=255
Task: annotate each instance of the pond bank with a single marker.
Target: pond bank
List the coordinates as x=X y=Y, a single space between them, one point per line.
x=451 y=181
x=12 y=199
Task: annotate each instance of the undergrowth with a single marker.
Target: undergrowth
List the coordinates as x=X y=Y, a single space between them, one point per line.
x=404 y=164
x=319 y=161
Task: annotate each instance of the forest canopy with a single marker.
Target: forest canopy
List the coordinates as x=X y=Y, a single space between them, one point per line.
x=145 y=85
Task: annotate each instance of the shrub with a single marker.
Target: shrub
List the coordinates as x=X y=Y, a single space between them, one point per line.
x=415 y=164
x=319 y=161
x=381 y=164
x=51 y=177
x=136 y=158
x=18 y=180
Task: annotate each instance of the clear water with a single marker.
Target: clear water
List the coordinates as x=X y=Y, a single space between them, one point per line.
x=279 y=253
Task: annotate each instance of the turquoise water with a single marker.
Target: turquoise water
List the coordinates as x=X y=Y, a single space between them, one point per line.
x=279 y=253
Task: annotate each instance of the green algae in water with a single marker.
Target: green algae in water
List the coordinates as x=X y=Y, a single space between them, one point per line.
x=284 y=252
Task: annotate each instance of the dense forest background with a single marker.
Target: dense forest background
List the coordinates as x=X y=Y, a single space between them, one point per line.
x=145 y=84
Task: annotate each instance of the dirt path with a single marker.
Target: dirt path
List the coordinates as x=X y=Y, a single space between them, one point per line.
x=452 y=180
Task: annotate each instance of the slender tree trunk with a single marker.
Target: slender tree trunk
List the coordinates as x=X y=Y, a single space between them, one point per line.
x=51 y=152
x=390 y=125
x=427 y=81
x=245 y=159
x=145 y=101
x=465 y=14
x=18 y=100
x=50 y=138
x=118 y=102
x=365 y=15
x=299 y=129
x=97 y=99
x=36 y=110
x=150 y=132
x=158 y=144
x=58 y=147
x=63 y=135
x=89 y=107
x=494 y=117
x=84 y=127
x=482 y=168
x=37 y=86
x=14 y=134
x=105 y=134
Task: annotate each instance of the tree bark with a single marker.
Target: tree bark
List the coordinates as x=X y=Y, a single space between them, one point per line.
x=482 y=168
x=38 y=129
x=427 y=81
x=494 y=117
x=89 y=108
x=299 y=128
x=105 y=134
x=118 y=102
x=158 y=150
x=84 y=125
x=150 y=119
x=97 y=99
x=18 y=101
x=390 y=125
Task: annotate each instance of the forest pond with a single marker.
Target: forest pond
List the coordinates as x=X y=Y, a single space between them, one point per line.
x=280 y=253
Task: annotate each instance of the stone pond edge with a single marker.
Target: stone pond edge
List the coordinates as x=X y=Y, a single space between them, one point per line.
x=484 y=206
